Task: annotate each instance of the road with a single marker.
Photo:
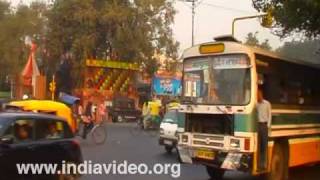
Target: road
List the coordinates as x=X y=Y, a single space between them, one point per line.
x=123 y=145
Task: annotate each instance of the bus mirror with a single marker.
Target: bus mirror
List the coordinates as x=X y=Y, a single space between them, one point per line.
x=260 y=82
x=260 y=79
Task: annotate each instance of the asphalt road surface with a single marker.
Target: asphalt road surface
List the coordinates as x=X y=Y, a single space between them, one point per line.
x=124 y=145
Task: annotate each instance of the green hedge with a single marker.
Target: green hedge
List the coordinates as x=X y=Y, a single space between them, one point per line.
x=5 y=94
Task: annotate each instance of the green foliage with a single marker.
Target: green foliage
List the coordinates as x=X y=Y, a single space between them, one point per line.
x=117 y=29
x=252 y=40
x=127 y=30
x=308 y=50
x=293 y=16
x=15 y=26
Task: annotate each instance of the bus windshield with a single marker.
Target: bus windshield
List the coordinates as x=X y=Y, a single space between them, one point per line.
x=218 y=80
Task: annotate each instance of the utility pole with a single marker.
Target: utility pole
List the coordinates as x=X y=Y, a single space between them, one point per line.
x=193 y=7
x=193 y=14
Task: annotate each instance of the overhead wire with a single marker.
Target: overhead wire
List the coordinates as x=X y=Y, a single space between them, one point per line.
x=213 y=5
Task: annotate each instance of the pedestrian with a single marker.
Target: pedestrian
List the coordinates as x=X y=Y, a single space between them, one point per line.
x=101 y=112
x=88 y=119
x=94 y=112
x=264 y=122
x=78 y=112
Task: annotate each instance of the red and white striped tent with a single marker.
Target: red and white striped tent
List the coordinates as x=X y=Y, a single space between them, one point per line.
x=31 y=70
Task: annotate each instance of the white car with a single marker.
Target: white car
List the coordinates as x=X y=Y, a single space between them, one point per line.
x=171 y=125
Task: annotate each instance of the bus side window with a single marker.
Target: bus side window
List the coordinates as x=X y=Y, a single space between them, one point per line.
x=284 y=96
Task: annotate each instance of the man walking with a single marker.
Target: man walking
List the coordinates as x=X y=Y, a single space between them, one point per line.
x=88 y=119
x=264 y=123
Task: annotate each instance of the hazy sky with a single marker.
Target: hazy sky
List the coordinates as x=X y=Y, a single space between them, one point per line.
x=213 y=18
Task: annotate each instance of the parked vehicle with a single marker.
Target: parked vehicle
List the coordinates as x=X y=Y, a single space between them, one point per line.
x=35 y=138
x=123 y=110
x=171 y=125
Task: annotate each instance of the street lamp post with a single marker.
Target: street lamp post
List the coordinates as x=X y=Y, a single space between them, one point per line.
x=243 y=18
x=193 y=13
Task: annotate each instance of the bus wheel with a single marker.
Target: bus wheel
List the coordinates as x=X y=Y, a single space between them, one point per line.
x=279 y=162
x=215 y=173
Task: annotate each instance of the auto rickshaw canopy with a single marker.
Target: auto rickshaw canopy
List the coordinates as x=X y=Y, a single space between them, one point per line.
x=47 y=106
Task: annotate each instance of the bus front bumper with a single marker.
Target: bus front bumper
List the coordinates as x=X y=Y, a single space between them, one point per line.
x=216 y=158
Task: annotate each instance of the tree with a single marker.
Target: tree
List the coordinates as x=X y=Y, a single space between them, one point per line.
x=15 y=26
x=307 y=50
x=252 y=40
x=117 y=29
x=293 y=16
x=123 y=30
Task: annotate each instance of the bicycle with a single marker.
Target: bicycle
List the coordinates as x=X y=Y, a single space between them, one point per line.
x=97 y=132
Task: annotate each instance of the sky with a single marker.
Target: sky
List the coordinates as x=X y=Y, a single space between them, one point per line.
x=213 y=18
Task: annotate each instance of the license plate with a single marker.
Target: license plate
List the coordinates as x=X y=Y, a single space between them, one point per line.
x=129 y=117
x=204 y=154
x=167 y=142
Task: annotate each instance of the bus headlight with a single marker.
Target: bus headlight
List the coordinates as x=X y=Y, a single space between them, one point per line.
x=184 y=138
x=235 y=143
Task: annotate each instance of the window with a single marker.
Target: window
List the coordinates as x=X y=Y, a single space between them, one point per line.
x=223 y=79
x=67 y=131
x=21 y=131
x=3 y=125
x=171 y=117
x=286 y=83
x=50 y=130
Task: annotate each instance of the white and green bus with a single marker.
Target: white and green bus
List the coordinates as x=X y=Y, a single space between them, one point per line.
x=220 y=84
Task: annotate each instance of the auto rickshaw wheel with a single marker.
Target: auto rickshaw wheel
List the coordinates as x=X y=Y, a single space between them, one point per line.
x=168 y=149
x=120 y=118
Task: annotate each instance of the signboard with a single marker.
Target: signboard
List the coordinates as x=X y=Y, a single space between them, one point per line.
x=166 y=86
x=199 y=64
x=217 y=62
x=192 y=85
x=112 y=64
x=232 y=61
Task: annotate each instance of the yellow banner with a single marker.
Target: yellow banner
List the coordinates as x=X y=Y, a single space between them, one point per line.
x=112 y=64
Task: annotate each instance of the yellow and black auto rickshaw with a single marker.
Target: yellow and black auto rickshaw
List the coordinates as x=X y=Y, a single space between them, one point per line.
x=49 y=107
